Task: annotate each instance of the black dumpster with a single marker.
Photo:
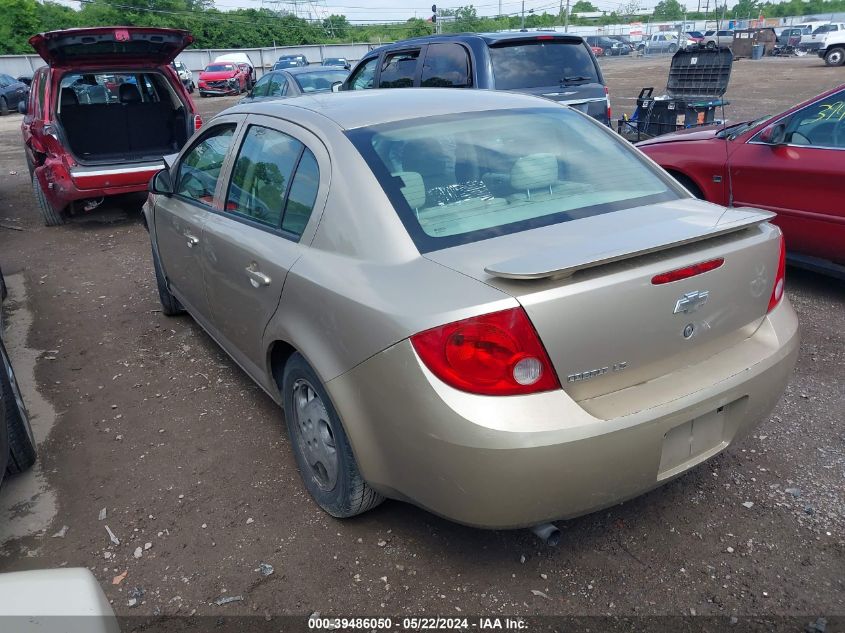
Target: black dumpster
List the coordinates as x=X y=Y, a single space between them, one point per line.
x=698 y=79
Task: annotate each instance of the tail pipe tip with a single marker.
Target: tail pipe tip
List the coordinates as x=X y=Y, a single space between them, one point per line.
x=548 y=533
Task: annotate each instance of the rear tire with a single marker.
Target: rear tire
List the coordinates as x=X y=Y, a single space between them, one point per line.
x=711 y=46
x=672 y=49
x=835 y=57
x=337 y=487
x=50 y=216
x=22 y=452
x=170 y=305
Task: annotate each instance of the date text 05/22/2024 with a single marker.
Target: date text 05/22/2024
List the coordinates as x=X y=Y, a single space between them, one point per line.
x=418 y=623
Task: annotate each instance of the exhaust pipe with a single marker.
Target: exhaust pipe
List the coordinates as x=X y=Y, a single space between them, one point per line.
x=548 y=533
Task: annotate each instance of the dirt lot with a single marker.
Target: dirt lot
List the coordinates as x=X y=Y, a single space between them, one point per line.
x=143 y=415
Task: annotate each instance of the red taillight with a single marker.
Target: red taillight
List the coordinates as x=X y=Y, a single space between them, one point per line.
x=496 y=354
x=609 y=109
x=687 y=272
x=197 y=122
x=780 y=278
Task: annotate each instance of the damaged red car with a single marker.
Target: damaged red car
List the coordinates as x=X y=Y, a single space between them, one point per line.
x=224 y=78
x=102 y=114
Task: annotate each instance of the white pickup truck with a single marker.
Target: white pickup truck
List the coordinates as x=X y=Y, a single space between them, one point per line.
x=813 y=42
x=832 y=49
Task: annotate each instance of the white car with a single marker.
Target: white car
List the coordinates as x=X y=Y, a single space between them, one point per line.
x=185 y=75
x=718 y=39
x=815 y=41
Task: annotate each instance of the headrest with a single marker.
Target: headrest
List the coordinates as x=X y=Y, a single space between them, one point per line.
x=129 y=93
x=534 y=171
x=413 y=189
x=68 y=97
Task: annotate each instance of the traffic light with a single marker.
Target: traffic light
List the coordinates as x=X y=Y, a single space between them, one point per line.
x=434 y=12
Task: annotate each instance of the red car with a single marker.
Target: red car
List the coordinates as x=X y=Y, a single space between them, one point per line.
x=223 y=78
x=102 y=114
x=792 y=163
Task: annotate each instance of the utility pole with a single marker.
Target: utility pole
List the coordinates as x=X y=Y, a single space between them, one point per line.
x=566 y=18
x=523 y=16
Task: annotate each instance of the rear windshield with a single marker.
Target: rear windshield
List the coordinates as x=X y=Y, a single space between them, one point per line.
x=321 y=81
x=217 y=68
x=468 y=177
x=544 y=63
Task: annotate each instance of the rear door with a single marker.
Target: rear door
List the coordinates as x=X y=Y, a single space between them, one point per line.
x=278 y=177
x=111 y=45
x=800 y=180
x=179 y=219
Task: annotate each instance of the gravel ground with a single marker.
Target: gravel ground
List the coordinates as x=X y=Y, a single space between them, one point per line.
x=145 y=417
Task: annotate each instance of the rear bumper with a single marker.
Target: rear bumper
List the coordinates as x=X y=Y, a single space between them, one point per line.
x=522 y=460
x=63 y=187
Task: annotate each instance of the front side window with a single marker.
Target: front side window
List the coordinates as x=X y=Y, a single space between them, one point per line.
x=261 y=86
x=463 y=178
x=398 y=70
x=364 y=76
x=446 y=66
x=278 y=86
x=200 y=167
x=539 y=64
x=262 y=174
x=821 y=124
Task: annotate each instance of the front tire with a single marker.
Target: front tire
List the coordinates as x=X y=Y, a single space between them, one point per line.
x=835 y=57
x=50 y=216
x=4 y=106
x=320 y=445
x=22 y=452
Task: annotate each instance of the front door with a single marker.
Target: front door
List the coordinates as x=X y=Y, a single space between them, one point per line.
x=800 y=180
x=179 y=218
x=254 y=241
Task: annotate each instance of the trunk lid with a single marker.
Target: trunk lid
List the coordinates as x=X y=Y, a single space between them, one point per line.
x=110 y=45
x=587 y=287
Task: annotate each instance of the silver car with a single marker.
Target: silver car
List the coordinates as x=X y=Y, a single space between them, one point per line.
x=483 y=303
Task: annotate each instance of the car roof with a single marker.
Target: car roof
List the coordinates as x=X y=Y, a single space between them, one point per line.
x=355 y=109
x=488 y=38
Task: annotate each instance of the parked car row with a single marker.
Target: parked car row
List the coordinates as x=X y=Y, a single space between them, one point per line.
x=12 y=92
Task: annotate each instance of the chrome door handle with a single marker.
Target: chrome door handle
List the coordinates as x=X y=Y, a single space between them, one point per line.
x=192 y=241
x=256 y=277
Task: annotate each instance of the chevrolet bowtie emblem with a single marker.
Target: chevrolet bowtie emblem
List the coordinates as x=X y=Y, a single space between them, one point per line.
x=691 y=301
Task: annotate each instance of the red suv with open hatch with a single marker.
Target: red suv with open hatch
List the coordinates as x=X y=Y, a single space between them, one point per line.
x=102 y=114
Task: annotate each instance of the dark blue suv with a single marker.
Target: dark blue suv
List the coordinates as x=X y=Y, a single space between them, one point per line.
x=558 y=66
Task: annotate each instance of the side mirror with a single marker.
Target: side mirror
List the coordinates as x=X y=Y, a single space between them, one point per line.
x=22 y=106
x=336 y=86
x=161 y=184
x=774 y=134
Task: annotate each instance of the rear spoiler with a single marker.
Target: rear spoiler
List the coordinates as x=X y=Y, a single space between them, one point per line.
x=558 y=263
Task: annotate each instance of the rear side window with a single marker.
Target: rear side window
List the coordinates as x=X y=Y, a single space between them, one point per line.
x=303 y=193
x=398 y=70
x=199 y=170
x=446 y=66
x=262 y=174
x=539 y=64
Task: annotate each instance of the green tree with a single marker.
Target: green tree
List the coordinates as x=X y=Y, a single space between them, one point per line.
x=584 y=6
x=669 y=10
x=18 y=23
x=53 y=16
x=336 y=26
